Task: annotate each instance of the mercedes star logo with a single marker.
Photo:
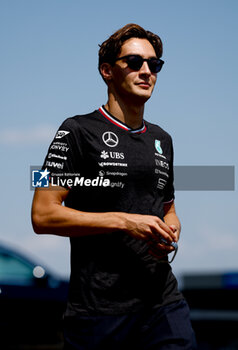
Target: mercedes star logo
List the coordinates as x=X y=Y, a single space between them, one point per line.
x=110 y=139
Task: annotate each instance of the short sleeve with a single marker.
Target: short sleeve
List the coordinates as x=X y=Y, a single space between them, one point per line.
x=65 y=156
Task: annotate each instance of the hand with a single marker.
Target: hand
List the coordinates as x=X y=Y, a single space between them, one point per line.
x=176 y=231
x=149 y=228
x=160 y=251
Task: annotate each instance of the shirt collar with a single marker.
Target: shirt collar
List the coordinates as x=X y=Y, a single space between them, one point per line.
x=120 y=124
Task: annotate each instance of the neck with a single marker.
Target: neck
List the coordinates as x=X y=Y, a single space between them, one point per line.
x=128 y=113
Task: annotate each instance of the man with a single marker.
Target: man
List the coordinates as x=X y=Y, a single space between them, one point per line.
x=119 y=210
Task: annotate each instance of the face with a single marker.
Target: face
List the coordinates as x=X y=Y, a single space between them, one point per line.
x=130 y=84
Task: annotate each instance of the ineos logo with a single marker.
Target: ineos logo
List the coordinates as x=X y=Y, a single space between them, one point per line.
x=110 y=139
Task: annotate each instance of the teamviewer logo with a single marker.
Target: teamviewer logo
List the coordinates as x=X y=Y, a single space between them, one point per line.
x=40 y=178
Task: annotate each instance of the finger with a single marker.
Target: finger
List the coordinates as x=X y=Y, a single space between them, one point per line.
x=173 y=228
x=176 y=232
x=167 y=230
x=160 y=247
x=159 y=233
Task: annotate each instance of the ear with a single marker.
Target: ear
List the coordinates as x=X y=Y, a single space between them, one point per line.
x=106 y=71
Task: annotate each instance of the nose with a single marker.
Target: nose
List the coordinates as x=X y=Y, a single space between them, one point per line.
x=145 y=68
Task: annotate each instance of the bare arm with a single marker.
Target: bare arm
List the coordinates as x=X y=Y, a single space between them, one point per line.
x=49 y=216
x=171 y=219
x=159 y=250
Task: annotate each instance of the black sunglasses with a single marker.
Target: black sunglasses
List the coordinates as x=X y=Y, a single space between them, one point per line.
x=135 y=62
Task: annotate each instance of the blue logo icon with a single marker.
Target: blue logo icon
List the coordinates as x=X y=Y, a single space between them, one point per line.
x=158 y=147
x=40 y=178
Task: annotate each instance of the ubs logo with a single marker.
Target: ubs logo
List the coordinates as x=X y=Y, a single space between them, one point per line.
x=110 y=139
x=113 y=155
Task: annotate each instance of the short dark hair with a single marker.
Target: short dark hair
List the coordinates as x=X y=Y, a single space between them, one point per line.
x=110 y=48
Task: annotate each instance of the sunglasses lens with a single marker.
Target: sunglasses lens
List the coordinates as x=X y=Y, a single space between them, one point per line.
x=135 y=62
x=155 y=65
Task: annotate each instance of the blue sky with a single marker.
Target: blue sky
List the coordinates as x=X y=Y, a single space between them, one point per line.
x=49 y=72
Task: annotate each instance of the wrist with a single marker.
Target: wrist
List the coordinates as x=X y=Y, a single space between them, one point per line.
x=122 y=221
x=118 y=221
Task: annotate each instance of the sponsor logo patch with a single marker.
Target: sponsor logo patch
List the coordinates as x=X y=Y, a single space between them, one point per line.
x=158 y=147
x=102 y=164
x=104 y=155
x=112 y=155
x=60 y=146
x=61 y=133
x=55 y=164
x=110 y=139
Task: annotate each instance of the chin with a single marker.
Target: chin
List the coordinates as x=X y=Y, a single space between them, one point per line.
x=144 y=96
x=139 y=99
x=144 y=93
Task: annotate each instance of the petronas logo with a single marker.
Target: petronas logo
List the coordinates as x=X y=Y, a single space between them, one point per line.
x=158 y=147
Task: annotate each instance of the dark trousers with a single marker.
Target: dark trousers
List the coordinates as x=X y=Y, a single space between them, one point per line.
x=165 y=328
